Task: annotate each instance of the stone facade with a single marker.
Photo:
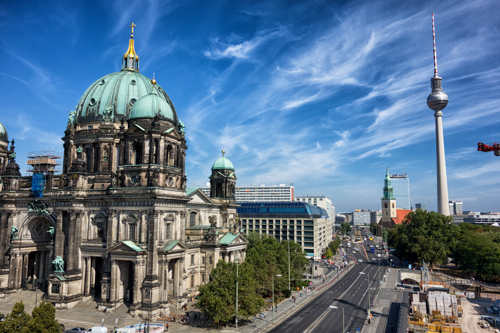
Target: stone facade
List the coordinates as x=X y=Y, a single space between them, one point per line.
x=118 y=225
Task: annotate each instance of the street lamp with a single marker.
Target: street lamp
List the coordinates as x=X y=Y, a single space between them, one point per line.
x=369 y=301
x=277 y=275
x=237 y=261
x=379 y=281
x=336 y=307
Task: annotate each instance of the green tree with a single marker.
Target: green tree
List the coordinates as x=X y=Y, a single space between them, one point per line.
x=15 y=321
x=345 y=228
x=43 y=320
x=373 y=228
x=218 y=297
x=329 y=253
x=478 y=250
x=423 y=235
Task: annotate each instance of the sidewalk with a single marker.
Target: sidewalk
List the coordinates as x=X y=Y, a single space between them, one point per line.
x=386 y=305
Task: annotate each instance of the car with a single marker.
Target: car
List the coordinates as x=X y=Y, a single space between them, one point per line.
x=378 y=255
x=353 y=251
x=77 y=330
x=360 y=260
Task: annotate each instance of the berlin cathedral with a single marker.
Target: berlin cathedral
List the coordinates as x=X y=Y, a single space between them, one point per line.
x=118 y=225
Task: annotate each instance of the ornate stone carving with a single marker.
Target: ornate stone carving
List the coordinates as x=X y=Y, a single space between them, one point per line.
x=213 y=221
x=37 y=207
x=182 y=214
x=52 y=232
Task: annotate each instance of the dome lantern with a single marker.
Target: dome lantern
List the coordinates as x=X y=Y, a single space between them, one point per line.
x=130 y=59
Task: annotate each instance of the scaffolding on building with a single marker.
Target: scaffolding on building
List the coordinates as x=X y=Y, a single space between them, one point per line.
x=40 y=164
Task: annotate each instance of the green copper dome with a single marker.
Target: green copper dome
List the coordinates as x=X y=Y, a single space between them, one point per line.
x=152 y=105
x=223 y=163
x=4 y=136
x=120 y=91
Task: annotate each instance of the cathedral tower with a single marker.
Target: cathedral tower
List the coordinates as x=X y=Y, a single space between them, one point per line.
x=223 y=179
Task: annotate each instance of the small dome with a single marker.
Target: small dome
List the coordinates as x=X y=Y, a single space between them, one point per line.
x=151 y=105
x=119 y=90
x=223 y=163
x=4 y=136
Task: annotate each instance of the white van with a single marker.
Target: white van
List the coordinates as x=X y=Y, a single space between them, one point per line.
x=97 y=329
x=348 y=244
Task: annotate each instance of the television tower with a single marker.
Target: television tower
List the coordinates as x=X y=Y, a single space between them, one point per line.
x=437 y=101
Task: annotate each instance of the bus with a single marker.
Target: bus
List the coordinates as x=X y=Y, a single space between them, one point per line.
x=372 y=249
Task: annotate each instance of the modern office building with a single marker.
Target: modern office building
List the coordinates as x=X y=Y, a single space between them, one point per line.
x=456 y=207
x=322 y=202
x=360 y=217
x=422 y=206
x=300 y=222
x=261 y=193
x=375 y=216
x=401 y=190
x=483 y=218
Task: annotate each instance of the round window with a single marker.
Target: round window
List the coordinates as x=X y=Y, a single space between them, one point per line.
x=132 y=101
x=92 y=101
x=102 y=82
x=132 y=82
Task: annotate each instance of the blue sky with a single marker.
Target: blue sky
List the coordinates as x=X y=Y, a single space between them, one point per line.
x=324 y=94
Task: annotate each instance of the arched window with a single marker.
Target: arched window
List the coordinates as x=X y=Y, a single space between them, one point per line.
x=386 y=205
x=138 y=153
x=192 y=219
x=393 y=205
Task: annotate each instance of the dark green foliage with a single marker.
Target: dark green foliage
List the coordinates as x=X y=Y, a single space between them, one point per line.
x=428 y=236
x=15 y=321
x=373 y=228
x=286 y=293
x=218 y=298
x=345 y=228
x=43 y=320
x=333 y=247
x=478 y=250
x=265 y=258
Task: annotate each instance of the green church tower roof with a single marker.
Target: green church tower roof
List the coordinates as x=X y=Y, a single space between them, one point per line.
x=388 y=191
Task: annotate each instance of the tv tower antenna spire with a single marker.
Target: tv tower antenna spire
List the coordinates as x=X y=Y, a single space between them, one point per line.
x=437 y=101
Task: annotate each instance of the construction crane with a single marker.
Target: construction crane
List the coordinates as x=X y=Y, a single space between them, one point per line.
x=486 y=147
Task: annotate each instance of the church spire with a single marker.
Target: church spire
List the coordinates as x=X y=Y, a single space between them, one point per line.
x=388 y=190
x=130 y=59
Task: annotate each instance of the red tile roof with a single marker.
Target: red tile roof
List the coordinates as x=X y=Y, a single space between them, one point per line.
x=400 y=216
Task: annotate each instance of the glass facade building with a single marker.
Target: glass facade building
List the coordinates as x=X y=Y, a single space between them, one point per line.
x=401 y=190
x=300 y=222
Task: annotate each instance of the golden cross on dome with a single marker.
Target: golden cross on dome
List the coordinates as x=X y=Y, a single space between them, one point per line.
x=132 y=26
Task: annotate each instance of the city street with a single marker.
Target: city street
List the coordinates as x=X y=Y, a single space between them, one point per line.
x=350 y=293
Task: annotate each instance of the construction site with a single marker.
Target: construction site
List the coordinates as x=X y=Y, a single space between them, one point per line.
x=436 y=308
x=42 y=166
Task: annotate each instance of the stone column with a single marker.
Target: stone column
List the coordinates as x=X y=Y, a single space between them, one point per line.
x=78 y=241
x=122 y=153
x=70 y=258
x=15 y=269
x=152 y=256
x=92 y=272
x=176 y=278
x=165 y=280
x=59 y=239
x=111 y=228
x=25 y=261
x=161 y=153
x=88 y=264
x=183 y=225
x=137 y=282
x=114 y=280
x=181 y=276
x=41 y=265
x=142 y=228
x=3 y=236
